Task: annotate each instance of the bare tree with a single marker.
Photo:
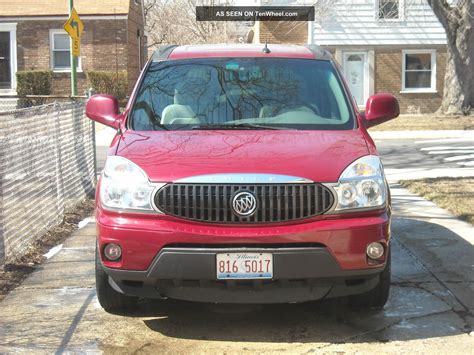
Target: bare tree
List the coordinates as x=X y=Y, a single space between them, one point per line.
x=457 y=18
x=174 y=22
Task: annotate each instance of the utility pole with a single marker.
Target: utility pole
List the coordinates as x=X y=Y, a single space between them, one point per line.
x=73 y=59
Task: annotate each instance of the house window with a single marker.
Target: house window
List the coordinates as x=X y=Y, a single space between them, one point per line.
x=60 y=51
x=419 y=71
x=389 y=9
x=8 y=64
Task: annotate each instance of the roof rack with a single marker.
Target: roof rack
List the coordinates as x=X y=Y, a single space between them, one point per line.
x=319 y=53
x=163 y=52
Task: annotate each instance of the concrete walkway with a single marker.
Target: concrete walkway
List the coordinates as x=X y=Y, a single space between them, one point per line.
x=104 y=135
x=430 y=307
x=103 y=138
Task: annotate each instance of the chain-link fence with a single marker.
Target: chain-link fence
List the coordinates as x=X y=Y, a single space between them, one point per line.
x=8 y=104
x=11 y=102
x=47 y=166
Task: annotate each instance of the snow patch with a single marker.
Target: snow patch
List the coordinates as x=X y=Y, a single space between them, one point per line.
x=96 y=303
x=53 y=251
x=71 y=290
x=85 y=222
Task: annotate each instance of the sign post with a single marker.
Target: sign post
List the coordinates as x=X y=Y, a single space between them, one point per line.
x=74 y=28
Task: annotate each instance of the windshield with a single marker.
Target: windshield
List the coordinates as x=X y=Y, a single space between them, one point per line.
x=238 y=93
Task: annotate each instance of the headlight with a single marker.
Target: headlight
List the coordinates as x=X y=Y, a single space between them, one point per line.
x=124 y=186
x=362 y=185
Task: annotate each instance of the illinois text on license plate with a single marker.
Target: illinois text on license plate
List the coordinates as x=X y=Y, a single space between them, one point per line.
x=244 y=266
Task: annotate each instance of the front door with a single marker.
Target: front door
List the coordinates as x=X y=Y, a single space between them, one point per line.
x=5 y=61
x=356 y=71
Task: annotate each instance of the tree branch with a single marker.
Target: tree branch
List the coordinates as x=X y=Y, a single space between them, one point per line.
x=441 y=8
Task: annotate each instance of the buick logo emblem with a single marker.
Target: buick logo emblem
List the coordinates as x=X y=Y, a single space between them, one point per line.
x=244 y=203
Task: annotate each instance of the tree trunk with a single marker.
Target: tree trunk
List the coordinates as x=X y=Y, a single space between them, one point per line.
x=458 y=93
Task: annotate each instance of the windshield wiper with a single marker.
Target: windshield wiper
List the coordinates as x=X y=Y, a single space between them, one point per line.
x=236 y=126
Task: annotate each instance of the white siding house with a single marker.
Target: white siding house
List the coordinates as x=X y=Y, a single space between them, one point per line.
x=357 y=23
x=385 y=45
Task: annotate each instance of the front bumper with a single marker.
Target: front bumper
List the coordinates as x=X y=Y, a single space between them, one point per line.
x=300 y=274
x=166 y=257
x=142 y=237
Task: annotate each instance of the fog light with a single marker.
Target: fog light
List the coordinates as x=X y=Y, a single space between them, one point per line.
x=112 y=252
x=375 y=250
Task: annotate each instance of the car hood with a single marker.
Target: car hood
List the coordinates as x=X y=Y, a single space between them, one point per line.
x=171 y=155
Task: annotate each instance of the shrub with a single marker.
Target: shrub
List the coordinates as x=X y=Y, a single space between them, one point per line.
x=33 y=82
x=108 y=82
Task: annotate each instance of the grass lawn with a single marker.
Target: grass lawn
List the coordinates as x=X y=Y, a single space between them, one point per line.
x=454 y=194
x=426 y=122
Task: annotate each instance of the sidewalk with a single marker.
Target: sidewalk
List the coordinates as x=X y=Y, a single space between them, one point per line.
x=42 y=314
x=104 y=136
x=443 y=243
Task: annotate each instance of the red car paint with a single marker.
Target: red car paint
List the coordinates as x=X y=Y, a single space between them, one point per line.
x=171 y=155
x=321 y=156
x=143 y=236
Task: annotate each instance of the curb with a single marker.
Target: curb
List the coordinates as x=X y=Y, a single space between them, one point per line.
x=467 y=134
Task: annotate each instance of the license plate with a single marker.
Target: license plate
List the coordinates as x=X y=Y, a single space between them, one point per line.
x=244 y=266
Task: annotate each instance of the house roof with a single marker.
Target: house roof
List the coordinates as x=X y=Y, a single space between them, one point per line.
x=35 y=8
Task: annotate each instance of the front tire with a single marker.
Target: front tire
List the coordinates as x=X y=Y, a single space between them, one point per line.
x=378 y=296
x=109 y=299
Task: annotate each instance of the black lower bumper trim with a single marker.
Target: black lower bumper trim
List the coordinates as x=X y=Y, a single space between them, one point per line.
x=300 y=274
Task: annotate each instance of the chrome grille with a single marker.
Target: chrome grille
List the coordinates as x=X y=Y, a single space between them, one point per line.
x=212 y=202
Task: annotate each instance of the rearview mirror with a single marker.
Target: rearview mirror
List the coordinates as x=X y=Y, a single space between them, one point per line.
x=380 y=108
x=104 y=109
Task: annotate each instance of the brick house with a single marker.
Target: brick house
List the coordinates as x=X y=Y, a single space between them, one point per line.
x=395 y=46
x=32 y=38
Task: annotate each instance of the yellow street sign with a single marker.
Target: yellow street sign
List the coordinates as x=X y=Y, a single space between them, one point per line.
x=76 y=47
x=74 y=26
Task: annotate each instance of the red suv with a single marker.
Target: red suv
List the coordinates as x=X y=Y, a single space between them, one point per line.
x=242 y=174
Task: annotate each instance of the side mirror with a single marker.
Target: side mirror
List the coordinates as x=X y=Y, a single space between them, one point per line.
x=380 y=108
x=104 y=109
